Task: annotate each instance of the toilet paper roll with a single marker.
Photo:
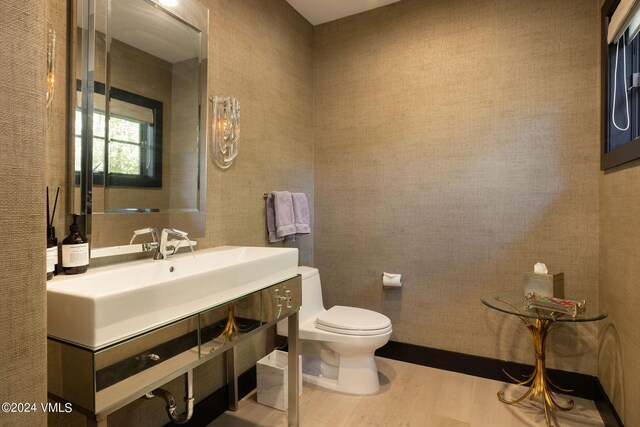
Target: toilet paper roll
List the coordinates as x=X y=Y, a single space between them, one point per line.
x=392 y=280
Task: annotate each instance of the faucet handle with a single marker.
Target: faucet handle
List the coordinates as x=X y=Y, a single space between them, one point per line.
x=151 y=230
x=178 y=233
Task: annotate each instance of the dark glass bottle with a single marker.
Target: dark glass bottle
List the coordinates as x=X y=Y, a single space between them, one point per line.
x=75 y=250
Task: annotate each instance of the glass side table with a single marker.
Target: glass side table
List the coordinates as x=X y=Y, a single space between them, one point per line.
x=539 y=323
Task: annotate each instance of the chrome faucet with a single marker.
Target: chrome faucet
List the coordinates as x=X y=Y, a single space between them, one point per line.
x=165 y=250
x=146 y=247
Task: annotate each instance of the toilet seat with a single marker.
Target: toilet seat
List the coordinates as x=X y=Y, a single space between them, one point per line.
x=353 y=321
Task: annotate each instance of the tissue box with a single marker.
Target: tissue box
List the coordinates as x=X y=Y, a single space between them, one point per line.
x=551 y=285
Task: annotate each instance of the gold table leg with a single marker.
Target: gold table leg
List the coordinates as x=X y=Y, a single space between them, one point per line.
x=539 y=382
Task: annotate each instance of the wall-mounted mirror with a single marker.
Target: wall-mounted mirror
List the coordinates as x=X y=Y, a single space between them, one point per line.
x=138 y=121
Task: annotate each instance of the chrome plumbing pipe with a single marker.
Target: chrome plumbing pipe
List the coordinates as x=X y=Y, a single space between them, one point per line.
x=172 y=407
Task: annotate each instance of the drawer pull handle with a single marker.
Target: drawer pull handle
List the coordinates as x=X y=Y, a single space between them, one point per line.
x=279 y=298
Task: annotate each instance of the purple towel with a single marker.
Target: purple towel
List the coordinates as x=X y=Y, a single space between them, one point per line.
x=280 y=217
x=271 y=221
x=301 y=213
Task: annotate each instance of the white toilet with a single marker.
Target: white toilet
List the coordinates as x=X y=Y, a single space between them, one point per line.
x=338 y=344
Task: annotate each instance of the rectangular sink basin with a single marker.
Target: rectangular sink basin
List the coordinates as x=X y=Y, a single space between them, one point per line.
x=108 y=304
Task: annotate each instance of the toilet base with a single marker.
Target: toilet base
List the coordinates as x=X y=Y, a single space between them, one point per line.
x=349 y=374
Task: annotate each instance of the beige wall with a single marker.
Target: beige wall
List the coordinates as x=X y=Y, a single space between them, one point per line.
x=618 y=368
x=23 y=375
x=457 y=143
x=619 y=337
x=260 y=52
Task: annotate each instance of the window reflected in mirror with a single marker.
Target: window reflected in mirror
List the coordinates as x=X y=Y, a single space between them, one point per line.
x=132 y=154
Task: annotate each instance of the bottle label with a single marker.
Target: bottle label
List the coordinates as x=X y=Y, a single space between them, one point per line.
x=76 y=255
x=52 y=259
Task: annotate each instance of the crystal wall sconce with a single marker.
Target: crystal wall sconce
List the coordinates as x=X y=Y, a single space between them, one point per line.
x=51 y=67
x=225 y=130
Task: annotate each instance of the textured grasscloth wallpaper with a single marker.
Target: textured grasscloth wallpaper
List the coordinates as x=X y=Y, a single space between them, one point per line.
x=23 y=376
x=457 y=143
x=260 y=52
x=618 y=367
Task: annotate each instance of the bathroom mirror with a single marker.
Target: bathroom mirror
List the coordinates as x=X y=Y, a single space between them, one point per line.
x=139 y=108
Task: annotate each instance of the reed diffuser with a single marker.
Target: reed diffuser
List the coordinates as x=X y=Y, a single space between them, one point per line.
x=52 y=242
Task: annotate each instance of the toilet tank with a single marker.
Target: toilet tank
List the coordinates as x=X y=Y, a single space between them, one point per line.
x=312 y=304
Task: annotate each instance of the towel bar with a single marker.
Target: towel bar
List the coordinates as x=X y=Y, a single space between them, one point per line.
x=265 y=196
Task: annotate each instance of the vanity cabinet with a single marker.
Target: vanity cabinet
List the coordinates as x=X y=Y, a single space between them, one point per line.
x=98 y=381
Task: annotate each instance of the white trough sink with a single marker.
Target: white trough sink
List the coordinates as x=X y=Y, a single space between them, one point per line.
x=108 y=304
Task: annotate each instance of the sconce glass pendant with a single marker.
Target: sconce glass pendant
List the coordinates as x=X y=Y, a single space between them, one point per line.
x=225 y=130
x=51 y=70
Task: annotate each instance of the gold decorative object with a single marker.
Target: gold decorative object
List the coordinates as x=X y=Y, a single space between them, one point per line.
x=231 y=327
x=51 y=67
x=554 y=305
x=539 y=382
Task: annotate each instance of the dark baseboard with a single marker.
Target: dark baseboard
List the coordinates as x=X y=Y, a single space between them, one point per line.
x=605 y=407
x=585 y=386
x=217 y=403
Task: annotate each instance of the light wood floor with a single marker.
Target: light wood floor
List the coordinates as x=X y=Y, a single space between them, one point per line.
x=413 y=395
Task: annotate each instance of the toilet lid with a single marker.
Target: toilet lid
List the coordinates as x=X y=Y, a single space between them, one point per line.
x=353 y=321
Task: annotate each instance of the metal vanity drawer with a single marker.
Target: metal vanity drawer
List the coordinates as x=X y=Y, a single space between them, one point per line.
x=144 y=360
x=281 y=300
x=98 y=380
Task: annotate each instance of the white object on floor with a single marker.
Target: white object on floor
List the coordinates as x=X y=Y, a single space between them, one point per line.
x=273 y=380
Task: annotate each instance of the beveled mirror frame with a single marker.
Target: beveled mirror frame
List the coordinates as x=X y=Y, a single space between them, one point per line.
x=188 y=12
